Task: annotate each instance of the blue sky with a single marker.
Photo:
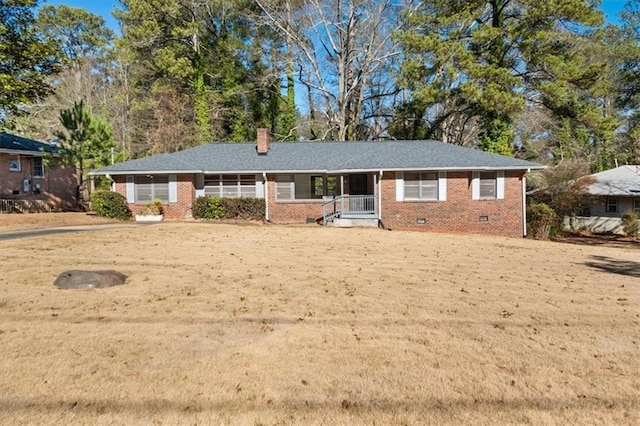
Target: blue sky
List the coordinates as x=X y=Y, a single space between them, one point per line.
x=104 y=8
x=98 y=7
x=611 y=9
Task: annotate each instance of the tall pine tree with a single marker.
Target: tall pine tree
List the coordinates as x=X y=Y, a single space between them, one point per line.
x=26 y=57
x=473 y=66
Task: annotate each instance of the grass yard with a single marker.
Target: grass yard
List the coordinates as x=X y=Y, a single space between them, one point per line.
x=262 y=325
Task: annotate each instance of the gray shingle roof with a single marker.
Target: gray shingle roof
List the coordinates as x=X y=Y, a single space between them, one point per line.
x=11 y=142
x=621 y=181
x=320 y=157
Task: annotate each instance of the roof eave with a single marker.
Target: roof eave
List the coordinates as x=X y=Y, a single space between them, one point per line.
x=439 y=169
x=308 y=171
x=140 y=172
x=22 y=152
x=614 y=194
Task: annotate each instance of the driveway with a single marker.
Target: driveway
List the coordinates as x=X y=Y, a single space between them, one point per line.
x=26 y=233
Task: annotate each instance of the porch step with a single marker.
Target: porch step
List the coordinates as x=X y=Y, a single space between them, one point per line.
x=342 y=222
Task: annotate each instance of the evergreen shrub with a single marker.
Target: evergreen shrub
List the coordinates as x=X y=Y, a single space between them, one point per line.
x=228 y=208
x=110 y=204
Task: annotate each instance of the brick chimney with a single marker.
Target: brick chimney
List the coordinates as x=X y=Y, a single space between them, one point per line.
x=263 y=141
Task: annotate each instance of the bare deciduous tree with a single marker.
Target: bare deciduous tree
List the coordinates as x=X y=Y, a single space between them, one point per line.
x=345 y=56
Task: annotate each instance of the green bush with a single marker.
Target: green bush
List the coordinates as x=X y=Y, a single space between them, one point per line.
x=208 y=208
x=228 y=208
x=110 y=204
x=631 y=223
x=540 y=220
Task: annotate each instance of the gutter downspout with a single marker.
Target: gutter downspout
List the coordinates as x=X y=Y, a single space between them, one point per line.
x=524 y=205
x=266 y=197
x=380 y=196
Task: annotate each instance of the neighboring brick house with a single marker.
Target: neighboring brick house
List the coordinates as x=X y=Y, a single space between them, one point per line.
x=401 y=184
x=25 y=176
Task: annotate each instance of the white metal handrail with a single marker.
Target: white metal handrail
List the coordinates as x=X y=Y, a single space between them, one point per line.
x=357 y=205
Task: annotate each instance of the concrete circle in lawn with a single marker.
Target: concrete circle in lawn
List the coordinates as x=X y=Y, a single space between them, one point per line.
x=77 y=279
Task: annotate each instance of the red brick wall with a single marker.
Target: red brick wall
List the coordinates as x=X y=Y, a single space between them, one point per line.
x=176 y=211
x=290 y=211
x=459 y=213
x=57 y=187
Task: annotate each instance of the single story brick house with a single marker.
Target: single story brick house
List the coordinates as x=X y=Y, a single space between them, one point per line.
x=26 y=179
x=612 y=193
x=401 y=184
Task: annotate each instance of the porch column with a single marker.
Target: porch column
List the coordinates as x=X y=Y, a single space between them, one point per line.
x=376 y=190
x=342 y=194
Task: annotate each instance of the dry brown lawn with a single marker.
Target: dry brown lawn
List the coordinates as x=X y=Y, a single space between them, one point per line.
x=230 y=324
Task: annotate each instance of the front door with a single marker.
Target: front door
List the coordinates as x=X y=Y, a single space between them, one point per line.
x=358 y=184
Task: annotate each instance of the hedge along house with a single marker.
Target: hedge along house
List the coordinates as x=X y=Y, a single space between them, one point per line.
x=27 y=183
x=403 y=184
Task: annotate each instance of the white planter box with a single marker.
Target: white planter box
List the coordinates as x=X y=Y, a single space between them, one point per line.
x=149 y=218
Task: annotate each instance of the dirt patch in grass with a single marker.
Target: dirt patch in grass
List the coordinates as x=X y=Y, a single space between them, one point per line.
x=225 y=324
x=23 y=221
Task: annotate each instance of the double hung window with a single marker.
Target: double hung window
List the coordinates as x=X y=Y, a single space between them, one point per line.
x=149 y=188
x=421 y=186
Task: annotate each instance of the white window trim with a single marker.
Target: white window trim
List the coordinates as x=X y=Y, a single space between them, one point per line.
x=500 y=185
x=617 y=204
x=259 y=188
x=19 y=162
x=441 y=188
x=131 y=190
x=475 y=186
x=399 y=186
x=173 y=188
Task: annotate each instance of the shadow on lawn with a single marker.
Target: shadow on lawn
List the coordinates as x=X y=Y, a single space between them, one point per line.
x=615 y=266
x=159 y=407
x=606 y=240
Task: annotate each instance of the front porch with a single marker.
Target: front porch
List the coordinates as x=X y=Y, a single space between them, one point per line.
x=352 y=210
x=357 y=203
x=350 y=199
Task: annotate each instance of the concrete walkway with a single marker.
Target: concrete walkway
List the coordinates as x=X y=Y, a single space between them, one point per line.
x=26 y=233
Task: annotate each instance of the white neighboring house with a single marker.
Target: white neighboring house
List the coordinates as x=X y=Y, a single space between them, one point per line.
x=614 y=192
